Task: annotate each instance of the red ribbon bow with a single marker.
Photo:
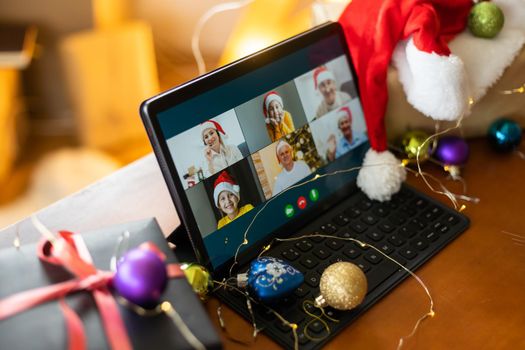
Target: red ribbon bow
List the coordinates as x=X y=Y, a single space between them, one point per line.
x=70 y=252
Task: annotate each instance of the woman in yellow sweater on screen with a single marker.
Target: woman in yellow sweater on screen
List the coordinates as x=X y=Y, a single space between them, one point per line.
x=278 y=121
x=226 y=194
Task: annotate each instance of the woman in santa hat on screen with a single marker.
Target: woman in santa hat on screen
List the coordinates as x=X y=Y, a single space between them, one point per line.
x=324 y=81
x=217 y=153
x=226 y=194
x=278 y=121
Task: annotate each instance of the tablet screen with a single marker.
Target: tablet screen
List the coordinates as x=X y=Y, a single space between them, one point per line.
x=248 y=143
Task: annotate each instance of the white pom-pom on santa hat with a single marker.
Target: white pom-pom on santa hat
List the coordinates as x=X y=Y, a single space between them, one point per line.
x=381 y=165
x=373 y=29
x=224 y=182
x=436 y=85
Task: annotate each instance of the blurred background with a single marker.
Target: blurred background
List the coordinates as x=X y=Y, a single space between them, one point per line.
x=73 y=74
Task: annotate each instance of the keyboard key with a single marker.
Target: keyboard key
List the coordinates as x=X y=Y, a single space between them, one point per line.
x=334 y=244
x=450 y=219
x=321 y=253
x=283 y=327
x=312 y=279
x=301 y=337
x=386 y=227
x=375 y=236
x=357 y=226
x=381 y=210
x=430 y=235
x=315 y=238
x=408 y=253
x=304 y=245
x=364 y=204
x=369 y=219
x=341 y=220
x=419 y=203
x=443 y=229
x=347 y=234
x=363 y=266
x=408 y=231
x=328 y=228
x=290 y=254
x=373 y=257
x=352 y=252
x=308 y=262
x=334 y=260
x=317 y=327
x=353 y=212
x=332 y=313
x=386 y=248
x=419 y=244
x=301 y=291
x=397 y=240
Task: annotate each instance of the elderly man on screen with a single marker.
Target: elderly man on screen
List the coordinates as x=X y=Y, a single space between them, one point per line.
x=292 y=171
x=324 y=81
x=348 y=141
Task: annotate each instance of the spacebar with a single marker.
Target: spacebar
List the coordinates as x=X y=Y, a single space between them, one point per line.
x=380 y=273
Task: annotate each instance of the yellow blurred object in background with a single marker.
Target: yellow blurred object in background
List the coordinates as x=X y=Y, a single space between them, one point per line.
x=266 y=22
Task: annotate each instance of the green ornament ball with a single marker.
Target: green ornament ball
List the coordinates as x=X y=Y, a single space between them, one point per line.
x=413 y=140
x=485 y=20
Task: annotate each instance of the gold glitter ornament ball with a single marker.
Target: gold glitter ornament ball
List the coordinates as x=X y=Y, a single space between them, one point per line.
x=343 y=286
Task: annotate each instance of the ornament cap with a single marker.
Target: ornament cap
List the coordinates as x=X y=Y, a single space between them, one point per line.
x=320 y=301
x=242 y=280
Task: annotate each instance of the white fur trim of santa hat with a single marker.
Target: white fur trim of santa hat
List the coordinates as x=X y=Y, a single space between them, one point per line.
x=381 y=175
x=272 y=97
x=225 y=186
x=435 y=85
x=322 y=74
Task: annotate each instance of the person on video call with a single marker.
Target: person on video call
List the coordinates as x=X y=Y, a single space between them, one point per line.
x=337 y=148
x=333 y=98
x=292 y=171
x=226 y=194
x=217 y=153
x=278 y=121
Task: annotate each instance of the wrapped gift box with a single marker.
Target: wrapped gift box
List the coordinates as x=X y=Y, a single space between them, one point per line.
x=43 y=327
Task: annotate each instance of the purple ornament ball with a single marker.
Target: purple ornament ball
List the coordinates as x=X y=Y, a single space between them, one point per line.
x=141 y=277
x=452 y=150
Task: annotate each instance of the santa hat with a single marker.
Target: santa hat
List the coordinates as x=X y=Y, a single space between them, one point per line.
x=212 y=124
x=269 y=98
x=321 y=74
x=224 y=182
x=280 y=145
x=344 y=112
x=433 y=78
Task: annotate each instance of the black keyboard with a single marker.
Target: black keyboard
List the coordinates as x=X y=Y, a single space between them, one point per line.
x=410 y=228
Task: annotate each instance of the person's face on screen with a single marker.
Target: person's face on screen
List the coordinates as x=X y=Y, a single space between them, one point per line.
x=345 y=125
x=275 y=110
x=228 y=203
x=211 y=138
x=328 y=89
x=285 y=157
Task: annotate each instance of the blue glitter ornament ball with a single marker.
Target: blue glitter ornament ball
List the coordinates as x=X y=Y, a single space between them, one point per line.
x=504 y=135
x=272 y=279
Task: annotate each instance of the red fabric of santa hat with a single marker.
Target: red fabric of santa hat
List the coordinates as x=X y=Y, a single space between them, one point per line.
x=224 y=182
x=212 y=124
x=434 y=79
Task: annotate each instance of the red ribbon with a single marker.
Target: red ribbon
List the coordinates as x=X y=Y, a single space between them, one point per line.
x=70 y=252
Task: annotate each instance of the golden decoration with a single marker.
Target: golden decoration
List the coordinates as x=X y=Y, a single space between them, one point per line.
x=199 y=278
x=343 y=286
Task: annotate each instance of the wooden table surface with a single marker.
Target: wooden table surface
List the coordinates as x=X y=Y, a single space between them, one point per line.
x=477 y=282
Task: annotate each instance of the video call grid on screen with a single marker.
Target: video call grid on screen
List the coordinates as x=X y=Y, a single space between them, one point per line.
x=256 y=153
